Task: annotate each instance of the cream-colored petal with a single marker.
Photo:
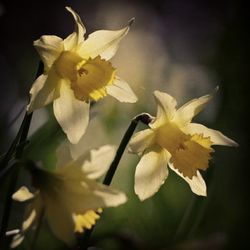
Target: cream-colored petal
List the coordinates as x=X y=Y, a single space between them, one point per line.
x=100 y=160
x=43 y=91
x=71 y=114
x=60 y=221
x=166 y=107
x=197 y=183
x=17 y=240
x=186 y=113
x=63 y=154
x=22 y=194
x=49 y=48
x=151 y=172
x=103 y=42
x=141 y=141
x=121 y=91
x=76 y=37
x=215 y=136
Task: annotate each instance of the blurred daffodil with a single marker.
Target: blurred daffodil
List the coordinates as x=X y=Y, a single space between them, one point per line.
x=174 y=141
x=69 y=197
x=77 y=71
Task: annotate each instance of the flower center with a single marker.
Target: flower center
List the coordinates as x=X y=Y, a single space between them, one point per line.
x=188 y=153
x=88 y=78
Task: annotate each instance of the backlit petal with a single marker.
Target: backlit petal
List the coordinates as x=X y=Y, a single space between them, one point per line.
x=121 y=91
x=186 y=113
x=197 y=184
x=103 y=42
x=23 y=194
x=151 y=172
x=165 y=108
x=43 y=91
x=76 y=37
x=49 y=48
x=141 y=140
x=215 y=136
x=63 y=154
x=71 y=114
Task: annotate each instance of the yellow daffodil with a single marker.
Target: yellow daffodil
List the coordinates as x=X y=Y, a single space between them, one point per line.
x=69 y=197
x=174 y=141
x=77 y=71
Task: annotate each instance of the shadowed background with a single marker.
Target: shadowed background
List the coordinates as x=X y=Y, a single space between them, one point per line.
x=184 y=48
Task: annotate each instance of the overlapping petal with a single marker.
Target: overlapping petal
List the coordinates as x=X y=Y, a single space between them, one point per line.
x=151 y=172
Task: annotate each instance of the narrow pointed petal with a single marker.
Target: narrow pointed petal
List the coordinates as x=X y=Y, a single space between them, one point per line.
x=22 y=194
x=49 y=48
x=43 y=91
x=76 y=37
x=121 y=91
x=141 y=140
x=197 y=183
x=17 y=240
x=100 y=160
x=151 y=172
x=103 y=42
x=189 y=110
x=166 y=107
x=216 y=137
x=71 y=114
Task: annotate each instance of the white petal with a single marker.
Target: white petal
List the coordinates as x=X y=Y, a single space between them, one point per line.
x=49 y=49
x=17 y=240
x=186 y=113
x=141 y=140
x=100 y=160
x=76 y=37
x=103 y=42
x=121 y=91
x=197 y=184
x=166 y=107
x=23 y=194
x=71 y=114
x=43 y=91
x=216 y=136
x=151 y=172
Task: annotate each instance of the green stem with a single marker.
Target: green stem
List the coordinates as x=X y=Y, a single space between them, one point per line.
x=144 y=118
x=18 y=145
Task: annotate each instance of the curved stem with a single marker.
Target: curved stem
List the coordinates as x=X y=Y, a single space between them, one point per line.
x=144 y=118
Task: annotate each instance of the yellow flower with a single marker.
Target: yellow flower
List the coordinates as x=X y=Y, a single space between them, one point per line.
x=174 y=141
x=69 y=196
x=77 y=71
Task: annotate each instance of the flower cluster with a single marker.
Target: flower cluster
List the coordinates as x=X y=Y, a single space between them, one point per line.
x=77 y=72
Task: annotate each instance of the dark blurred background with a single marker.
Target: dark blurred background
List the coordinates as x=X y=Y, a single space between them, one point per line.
x=185 y=48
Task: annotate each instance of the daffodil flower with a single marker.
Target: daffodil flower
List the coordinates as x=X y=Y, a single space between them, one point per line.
x=69 y=197
x=76 y=72
x=173 y=140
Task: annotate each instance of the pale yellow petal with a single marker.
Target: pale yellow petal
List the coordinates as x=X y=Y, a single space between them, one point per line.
x=100 y=160
x=186 y=113
x=197 y=183
x=71 y=114
x=49 y=48
x=17 y=240
x=121 y=91
x=43 y=91
x=103 y=42
x=215 y=136
x=166 y=107
x=141 y=141
x=76 y=37
x=151 y=172
x=22 y=194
